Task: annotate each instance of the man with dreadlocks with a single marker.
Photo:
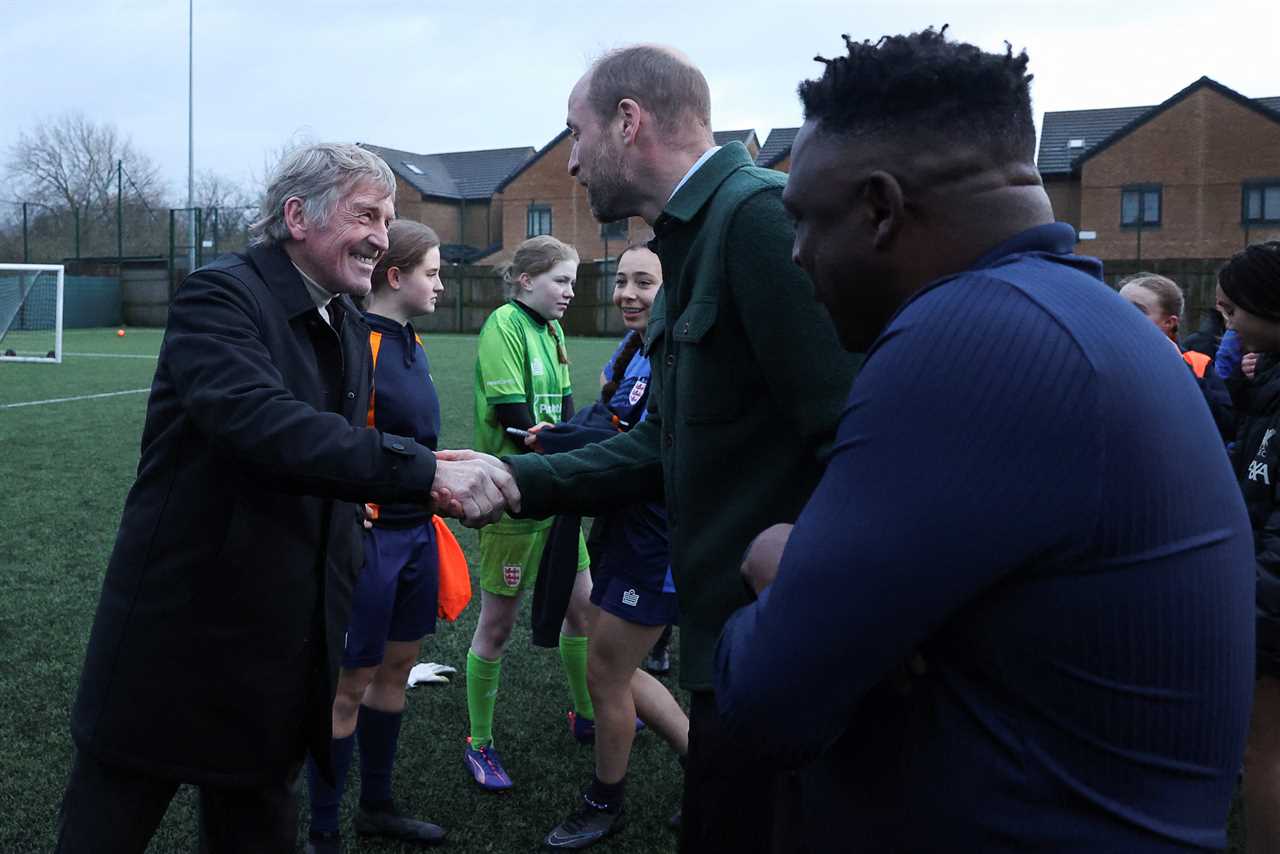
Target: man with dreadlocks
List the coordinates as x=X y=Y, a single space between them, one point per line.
x=1079 y=591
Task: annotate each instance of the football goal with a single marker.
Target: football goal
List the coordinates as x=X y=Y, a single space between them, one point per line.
x=31 y=312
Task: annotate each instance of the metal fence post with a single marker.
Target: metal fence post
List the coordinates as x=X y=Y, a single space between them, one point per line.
x=26 y=251
x=119 y=214
x=197 y=253
x=170 y=258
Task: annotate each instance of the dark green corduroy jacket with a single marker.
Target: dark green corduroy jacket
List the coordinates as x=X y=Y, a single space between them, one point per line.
x=748 y=384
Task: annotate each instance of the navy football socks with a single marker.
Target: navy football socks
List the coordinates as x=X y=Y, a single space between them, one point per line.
x=324 y=798
x=379 y=733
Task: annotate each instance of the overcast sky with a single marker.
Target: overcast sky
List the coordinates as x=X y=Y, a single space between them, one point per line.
x=448 y=75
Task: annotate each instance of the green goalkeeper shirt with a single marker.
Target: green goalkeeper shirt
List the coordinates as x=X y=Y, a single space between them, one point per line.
x=517 y=362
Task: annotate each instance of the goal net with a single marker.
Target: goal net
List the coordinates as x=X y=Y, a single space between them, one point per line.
x=31 y=312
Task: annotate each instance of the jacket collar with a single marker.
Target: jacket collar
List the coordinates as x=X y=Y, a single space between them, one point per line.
x=284 y=280
x=530 y=313
x=702 y=185
x=1056 y=238
x=277 y=271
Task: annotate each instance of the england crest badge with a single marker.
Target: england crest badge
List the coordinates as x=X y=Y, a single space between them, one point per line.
x=511 y=574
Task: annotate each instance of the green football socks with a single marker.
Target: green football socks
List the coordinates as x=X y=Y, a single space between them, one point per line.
x=573 y=655
x=482 y=694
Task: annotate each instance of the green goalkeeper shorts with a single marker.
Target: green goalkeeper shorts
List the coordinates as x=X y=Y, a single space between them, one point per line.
x=509 y=562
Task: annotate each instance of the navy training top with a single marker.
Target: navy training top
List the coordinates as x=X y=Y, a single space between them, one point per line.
x=635 y=538
x=403 y=401
x=1027 y=489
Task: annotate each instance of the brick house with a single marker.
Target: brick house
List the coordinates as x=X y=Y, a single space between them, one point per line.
x=776 y=151
x=540 y=197
x=1195 y=178
x=454 y=194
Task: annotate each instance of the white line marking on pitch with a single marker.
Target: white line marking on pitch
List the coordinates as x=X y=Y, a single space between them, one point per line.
x=69 y=399
x=114 y=355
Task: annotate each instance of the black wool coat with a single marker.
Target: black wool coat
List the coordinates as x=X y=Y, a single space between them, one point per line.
x=214 y=651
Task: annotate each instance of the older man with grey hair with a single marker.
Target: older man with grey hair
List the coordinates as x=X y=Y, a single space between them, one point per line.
x=214 y=652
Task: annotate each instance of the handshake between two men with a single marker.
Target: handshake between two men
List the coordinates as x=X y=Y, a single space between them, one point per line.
x=473 y=487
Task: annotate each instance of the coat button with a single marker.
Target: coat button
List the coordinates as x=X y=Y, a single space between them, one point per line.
x=685 y=330
x=671 y=359
x=351 y=395
x=668 y=440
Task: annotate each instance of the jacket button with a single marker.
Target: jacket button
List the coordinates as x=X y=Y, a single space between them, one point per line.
x=685 y=330
x=351 y=395
x=668 y=440
x=671 y=359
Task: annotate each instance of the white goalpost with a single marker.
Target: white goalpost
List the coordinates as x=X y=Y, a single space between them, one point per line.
x=31 y=312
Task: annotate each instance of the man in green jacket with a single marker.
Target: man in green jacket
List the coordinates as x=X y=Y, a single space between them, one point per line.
x=748 y=383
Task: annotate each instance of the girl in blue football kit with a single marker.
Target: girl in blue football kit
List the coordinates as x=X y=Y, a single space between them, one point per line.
x=394 y=604
x=631 y=583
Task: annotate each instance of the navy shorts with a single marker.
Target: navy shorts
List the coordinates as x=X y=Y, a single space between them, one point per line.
x=396 y=594
x=643 y=597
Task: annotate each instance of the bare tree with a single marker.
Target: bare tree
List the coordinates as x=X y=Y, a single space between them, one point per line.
x=67 y=165
x=227 y=209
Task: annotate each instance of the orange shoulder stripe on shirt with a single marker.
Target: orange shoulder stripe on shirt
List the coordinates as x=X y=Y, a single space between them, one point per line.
x=375 y=344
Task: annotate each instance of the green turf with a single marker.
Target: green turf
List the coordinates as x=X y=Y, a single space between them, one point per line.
x=65 y=468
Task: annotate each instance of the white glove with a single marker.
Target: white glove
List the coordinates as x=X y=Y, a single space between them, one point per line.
x=429 y=671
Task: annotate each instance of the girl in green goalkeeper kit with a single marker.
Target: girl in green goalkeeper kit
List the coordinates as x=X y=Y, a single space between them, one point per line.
x=522 y=379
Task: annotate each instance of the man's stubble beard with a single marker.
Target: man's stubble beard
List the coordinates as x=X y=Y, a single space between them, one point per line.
x=610 y=194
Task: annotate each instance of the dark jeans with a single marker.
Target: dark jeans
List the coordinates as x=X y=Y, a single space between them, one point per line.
x=732 y=802
x=112 y=810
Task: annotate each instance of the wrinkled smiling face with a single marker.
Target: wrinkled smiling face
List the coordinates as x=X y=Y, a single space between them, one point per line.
x=340 y=253
x=596 y=160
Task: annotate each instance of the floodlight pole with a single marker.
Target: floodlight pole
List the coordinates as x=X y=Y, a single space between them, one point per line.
x=191 y=157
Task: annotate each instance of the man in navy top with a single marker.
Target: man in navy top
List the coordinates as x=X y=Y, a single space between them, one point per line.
x=1016 y=614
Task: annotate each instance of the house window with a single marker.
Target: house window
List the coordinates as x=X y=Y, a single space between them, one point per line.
x=1261 y=202
x=1140 y=206
x=539 y=220
x=616 y=230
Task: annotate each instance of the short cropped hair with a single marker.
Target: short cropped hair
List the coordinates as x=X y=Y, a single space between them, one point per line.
x=924 y=82
x=1166 y=290
x=319 y=175
x=666 y=85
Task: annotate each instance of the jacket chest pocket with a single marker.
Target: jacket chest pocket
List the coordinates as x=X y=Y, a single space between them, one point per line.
x=707 y=365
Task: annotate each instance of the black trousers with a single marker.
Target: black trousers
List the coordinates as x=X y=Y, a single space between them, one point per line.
x=112 y=810
x=732 y=802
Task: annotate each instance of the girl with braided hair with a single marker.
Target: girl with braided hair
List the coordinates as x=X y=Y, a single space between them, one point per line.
x=521 y=380
x=632 y=584
x=1249 y=299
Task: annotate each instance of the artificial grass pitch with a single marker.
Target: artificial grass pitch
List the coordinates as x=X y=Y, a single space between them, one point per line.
x=64 y=471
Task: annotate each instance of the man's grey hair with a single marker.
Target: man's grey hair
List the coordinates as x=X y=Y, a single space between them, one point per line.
x=319 y=175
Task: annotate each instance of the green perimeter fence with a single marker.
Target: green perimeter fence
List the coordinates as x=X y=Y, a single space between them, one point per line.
x=140 y=296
